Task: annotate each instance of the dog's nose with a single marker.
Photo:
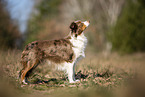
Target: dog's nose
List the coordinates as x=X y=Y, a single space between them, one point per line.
x=87 y=23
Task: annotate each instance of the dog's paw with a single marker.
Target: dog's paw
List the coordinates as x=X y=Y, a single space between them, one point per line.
x=77 y=80
x=24 y=82
x=74 y=81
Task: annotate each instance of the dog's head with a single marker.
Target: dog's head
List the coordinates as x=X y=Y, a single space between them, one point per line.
x=78 y=27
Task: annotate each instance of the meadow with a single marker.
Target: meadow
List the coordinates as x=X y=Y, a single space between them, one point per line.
x=113 y=75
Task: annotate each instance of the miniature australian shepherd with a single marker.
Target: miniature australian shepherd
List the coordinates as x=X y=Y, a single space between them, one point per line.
x=63 y=53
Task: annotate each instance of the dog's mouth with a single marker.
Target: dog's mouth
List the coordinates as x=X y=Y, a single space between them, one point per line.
x=86 y=23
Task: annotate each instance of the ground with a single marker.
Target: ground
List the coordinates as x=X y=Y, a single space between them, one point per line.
x=113 y=75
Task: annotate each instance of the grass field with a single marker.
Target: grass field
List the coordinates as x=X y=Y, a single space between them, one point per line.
x=100 y=76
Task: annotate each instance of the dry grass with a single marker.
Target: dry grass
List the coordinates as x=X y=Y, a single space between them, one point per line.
x=101 y=76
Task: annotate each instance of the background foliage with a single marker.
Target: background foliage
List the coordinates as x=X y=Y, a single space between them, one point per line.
x=9 y=33
x=128 y=35
x=54 y=17
x=116 y=25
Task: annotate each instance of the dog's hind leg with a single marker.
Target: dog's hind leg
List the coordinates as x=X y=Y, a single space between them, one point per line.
x=27 y=68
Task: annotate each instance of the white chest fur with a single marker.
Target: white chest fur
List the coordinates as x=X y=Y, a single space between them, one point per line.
x=79 y=45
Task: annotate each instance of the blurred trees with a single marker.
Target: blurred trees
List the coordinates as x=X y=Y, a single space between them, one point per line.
x=52 y=13
x=125 y=34
x=43 y=25
x=8 y=32
x=103 y=14
x=128 y=35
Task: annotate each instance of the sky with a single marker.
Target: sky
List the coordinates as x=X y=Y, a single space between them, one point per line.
x=20 y=11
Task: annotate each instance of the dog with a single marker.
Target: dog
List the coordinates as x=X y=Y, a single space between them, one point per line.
x=63 y=53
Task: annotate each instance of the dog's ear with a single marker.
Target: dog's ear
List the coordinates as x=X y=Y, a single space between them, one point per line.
x=73 y=26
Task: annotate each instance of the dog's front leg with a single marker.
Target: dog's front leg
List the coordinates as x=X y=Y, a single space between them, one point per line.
x=71 y=72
